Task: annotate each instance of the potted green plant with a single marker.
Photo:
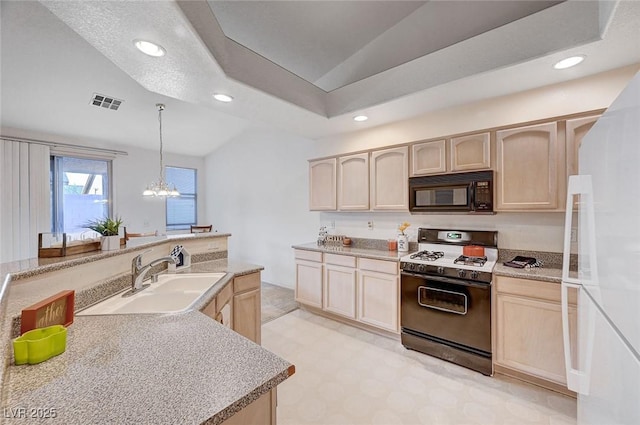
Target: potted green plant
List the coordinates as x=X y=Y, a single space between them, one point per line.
x=109 y=228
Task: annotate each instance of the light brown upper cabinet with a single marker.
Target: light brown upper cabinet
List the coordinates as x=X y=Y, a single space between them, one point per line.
x=465 y=153
x=470 y=153
x=429 y=158
x=530 y=161
x=389 y=179
x=322 y=185
x=576 y=130
x=353 y=182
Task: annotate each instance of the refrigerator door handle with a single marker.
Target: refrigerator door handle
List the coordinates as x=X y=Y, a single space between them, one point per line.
x=578 y=380
x=580 y=185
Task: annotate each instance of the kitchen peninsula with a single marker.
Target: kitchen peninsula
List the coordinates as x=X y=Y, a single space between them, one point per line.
x=139 y=368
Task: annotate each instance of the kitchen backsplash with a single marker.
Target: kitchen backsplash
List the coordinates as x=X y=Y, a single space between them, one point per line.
x=380 y=244
x=518 y=231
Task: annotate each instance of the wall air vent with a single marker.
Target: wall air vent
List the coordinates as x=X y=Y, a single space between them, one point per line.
x=107 y=102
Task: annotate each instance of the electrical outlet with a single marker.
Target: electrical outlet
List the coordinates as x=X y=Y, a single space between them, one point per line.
x=332 y=224
x=370 y=224
x=574 y=235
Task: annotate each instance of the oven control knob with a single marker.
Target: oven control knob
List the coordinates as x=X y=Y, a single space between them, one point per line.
x=474 y=274
x=440 y=270
x=403 y=265
x=422 y=268
x=461 y=272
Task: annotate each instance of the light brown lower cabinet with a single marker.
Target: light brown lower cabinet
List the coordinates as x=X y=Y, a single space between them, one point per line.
x=246 y=306
x=260 y=412
x=237 y=306
x=362 y=290
x=379 y=294
x=528 y=329
x=309 y=278
x=339 y=285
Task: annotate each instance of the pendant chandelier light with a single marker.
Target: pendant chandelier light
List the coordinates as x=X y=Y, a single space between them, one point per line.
x=160 y=188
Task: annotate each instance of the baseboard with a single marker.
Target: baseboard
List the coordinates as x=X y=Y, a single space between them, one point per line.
x=278 y=285
x=553 y=386
x=350 y=322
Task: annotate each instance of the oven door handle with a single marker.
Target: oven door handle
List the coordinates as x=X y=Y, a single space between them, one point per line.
x=446 y=310
x=452 y=281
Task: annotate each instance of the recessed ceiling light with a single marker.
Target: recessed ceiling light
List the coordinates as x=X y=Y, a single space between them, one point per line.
x=569 y=62
x=149 y=48
x=222 y=97
x=360 y=118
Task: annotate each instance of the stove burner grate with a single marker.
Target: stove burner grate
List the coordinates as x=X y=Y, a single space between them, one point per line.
x=470 y=261
x=427 y=255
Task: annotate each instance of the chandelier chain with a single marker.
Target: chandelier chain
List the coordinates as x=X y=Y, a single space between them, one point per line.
x=161 y=188
x=160 y=109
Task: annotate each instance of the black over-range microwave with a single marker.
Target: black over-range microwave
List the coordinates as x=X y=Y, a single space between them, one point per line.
x=463 y=192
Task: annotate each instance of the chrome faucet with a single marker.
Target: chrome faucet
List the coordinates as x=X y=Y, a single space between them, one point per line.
x=138 y=272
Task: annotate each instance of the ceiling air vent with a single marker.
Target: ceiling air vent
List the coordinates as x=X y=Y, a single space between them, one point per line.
x=106 y=102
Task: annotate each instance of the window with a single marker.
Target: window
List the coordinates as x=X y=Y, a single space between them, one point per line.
x=80 y=192
x=182 y=210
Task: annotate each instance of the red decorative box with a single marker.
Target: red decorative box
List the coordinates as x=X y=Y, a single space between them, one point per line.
x=55 y=310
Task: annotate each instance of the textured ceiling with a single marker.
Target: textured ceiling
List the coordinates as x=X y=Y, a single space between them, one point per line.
x=55 y=55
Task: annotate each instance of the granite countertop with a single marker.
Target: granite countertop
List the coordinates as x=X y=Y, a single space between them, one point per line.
x=546 y=274
x=376 y=254
x=25 y=295
x=150 y=368
x=36 y=266
x=552 y=272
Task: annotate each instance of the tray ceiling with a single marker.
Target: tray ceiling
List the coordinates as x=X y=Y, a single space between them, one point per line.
x=336 y=43
x=57 y=54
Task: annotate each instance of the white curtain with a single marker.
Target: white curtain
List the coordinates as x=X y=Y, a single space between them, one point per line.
x=25 y=199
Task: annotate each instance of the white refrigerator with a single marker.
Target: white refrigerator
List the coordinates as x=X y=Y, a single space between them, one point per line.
x=603 y=367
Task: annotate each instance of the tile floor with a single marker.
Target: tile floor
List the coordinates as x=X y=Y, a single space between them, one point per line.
x=346 y=375
x=276 y=301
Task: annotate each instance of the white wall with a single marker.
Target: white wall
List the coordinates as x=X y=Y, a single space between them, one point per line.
x=139 y=168
x=258 y=191
x=258 y=183
x=131 y=174
x=584 y=94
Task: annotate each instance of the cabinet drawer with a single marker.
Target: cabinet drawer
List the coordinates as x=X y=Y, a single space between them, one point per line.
x=308 y=255
x=381 y=266
x=340 y=260
x=548 y=291
x=247 y=282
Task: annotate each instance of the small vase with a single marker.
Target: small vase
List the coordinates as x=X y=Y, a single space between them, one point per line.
x=110 y=243
x=403 y=243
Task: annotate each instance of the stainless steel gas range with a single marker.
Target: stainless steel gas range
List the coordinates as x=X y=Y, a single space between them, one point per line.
x=446 y=296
